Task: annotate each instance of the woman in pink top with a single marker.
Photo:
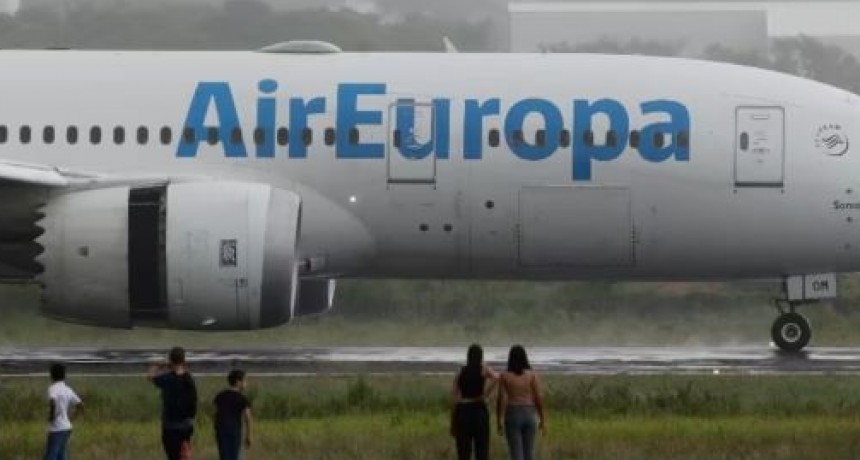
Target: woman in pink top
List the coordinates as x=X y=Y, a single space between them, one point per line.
x=520 y=405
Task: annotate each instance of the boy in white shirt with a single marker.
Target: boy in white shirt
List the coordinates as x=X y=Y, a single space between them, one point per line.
x=62 y=401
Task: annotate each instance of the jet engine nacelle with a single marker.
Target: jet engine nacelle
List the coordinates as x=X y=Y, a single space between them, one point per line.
x=199 y=255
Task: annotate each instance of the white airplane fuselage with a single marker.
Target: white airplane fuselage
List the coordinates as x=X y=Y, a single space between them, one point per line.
x=758 y=181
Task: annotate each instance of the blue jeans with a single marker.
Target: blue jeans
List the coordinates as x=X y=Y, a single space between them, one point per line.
x=58 y=442
x=229 y=443
x=520 y=430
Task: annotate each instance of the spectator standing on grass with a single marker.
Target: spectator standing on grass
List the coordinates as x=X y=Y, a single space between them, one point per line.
x=520 y=406
x=62 y=402
x=470 y=419
x=232 y=410
x=179 y=404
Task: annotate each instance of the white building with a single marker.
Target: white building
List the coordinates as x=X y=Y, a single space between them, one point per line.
x=693 y=25
x=9 y=6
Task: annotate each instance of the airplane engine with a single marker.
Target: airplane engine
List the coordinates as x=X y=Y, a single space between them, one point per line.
x=200 y=255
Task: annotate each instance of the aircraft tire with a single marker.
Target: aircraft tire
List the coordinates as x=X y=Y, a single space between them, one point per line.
x=791 y=332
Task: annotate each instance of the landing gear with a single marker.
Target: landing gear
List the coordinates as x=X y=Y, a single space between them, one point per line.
x=791 y=331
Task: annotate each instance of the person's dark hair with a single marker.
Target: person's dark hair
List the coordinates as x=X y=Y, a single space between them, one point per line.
x=58 y=372
x=518 y=360
x=177 y=356
x=475 y=357
x=235 y=377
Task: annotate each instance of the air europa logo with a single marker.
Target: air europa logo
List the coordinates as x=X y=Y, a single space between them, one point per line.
x=360 y=105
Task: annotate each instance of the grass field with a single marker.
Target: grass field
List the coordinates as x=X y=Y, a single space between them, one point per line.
x=405 y=417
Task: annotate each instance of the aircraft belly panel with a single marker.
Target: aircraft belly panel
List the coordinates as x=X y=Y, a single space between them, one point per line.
x=575 y=227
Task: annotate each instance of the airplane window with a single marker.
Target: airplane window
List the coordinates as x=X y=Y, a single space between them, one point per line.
x=142 y=135
x=540 y=138
x=25 y=134
x=308 y=136
x=283 y=136
x=659 y=140
x=330 y=136
x=589 y=138
x=564 y=139
x=72 y=135
x=745 y=141
x=518 y=137
x=119 y=135
x=48 y=134
x=95 y=135
x=166 y=135
x=611 y=138
x=236 y=135
x=494 y=138
x=260 y=136
x=4 y=134
x=397 y=138
x=635 y=137
x=213 y=135
x=683 y=139
x=188 y=135
x=354 y=136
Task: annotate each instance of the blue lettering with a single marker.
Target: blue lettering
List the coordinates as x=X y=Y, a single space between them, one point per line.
x=266 y=109
x=207 y=94
x=584 y=153
x=349 y=118
x=679 y=122
x=473 y=129
x=553 y=123
x=299 y=114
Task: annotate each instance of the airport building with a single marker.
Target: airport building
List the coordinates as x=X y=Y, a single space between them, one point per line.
x=689 y=26
x=9 y=6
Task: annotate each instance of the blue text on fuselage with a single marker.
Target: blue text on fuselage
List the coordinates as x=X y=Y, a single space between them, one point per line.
x=215 y=101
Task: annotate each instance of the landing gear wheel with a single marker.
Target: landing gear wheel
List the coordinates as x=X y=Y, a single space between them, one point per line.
x=791 y=332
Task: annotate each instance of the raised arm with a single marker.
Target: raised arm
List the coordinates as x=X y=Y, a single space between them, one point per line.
x=493 y=378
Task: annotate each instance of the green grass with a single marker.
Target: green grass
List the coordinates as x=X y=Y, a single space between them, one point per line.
x=405 y=417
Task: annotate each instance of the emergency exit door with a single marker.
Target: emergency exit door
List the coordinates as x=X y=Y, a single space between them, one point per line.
x=760 y=147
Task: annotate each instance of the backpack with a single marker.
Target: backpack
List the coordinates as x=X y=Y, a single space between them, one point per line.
x=180 y=401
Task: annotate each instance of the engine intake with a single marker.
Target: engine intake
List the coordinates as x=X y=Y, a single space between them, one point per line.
x=201 y=255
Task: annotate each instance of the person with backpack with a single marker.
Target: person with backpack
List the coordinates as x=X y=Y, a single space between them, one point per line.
x=179 y=404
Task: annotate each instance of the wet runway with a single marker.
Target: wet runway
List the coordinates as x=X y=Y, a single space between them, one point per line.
x=305 y=361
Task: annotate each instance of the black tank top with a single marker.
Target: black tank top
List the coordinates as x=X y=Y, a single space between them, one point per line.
x=471 y=383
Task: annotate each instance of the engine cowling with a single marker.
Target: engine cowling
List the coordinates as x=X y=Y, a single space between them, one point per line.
x=198 y=255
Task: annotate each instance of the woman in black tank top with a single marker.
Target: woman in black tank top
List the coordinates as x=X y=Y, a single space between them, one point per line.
x=470 y=419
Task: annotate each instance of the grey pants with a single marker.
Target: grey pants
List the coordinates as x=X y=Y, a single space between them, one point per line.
x=520 y=429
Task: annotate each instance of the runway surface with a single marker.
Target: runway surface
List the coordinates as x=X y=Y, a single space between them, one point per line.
x=305 y=361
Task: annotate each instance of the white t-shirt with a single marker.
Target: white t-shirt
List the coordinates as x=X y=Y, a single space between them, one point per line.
x=63 y=398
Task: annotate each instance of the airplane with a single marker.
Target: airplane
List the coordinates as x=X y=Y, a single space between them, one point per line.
x=230 y=190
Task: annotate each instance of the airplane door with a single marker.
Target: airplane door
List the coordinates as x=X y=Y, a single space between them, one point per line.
x=411 y=149
x=760 y=147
